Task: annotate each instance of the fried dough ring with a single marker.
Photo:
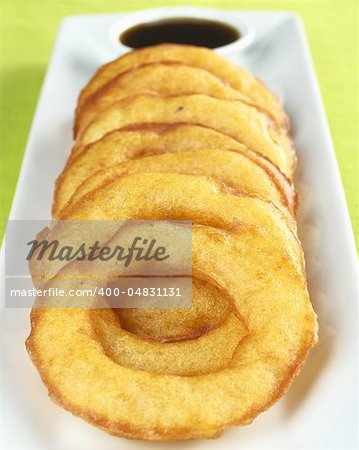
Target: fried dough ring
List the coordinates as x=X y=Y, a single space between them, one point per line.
x=178 y=197
x=237 y=77
x=243 y=122
x=267 y=292
x=141 y=140
x=190 y=192
x=164 y=78
x=234 y=169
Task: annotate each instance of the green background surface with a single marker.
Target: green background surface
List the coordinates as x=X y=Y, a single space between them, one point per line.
x=28 y=30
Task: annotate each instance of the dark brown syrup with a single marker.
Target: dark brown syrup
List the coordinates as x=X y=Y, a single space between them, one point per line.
x=200 y=32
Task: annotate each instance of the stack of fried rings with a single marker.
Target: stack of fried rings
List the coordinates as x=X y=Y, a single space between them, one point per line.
x=177 y=132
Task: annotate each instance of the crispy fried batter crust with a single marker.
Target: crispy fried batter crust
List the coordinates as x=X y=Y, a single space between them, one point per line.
x=243 y=122
x=236 y=77
x=250 y=171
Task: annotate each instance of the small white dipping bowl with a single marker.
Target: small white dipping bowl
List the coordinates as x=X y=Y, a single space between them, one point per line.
x=246 y=32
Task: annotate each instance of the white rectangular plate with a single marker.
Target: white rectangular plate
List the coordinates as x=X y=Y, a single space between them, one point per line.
x=320 y=410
